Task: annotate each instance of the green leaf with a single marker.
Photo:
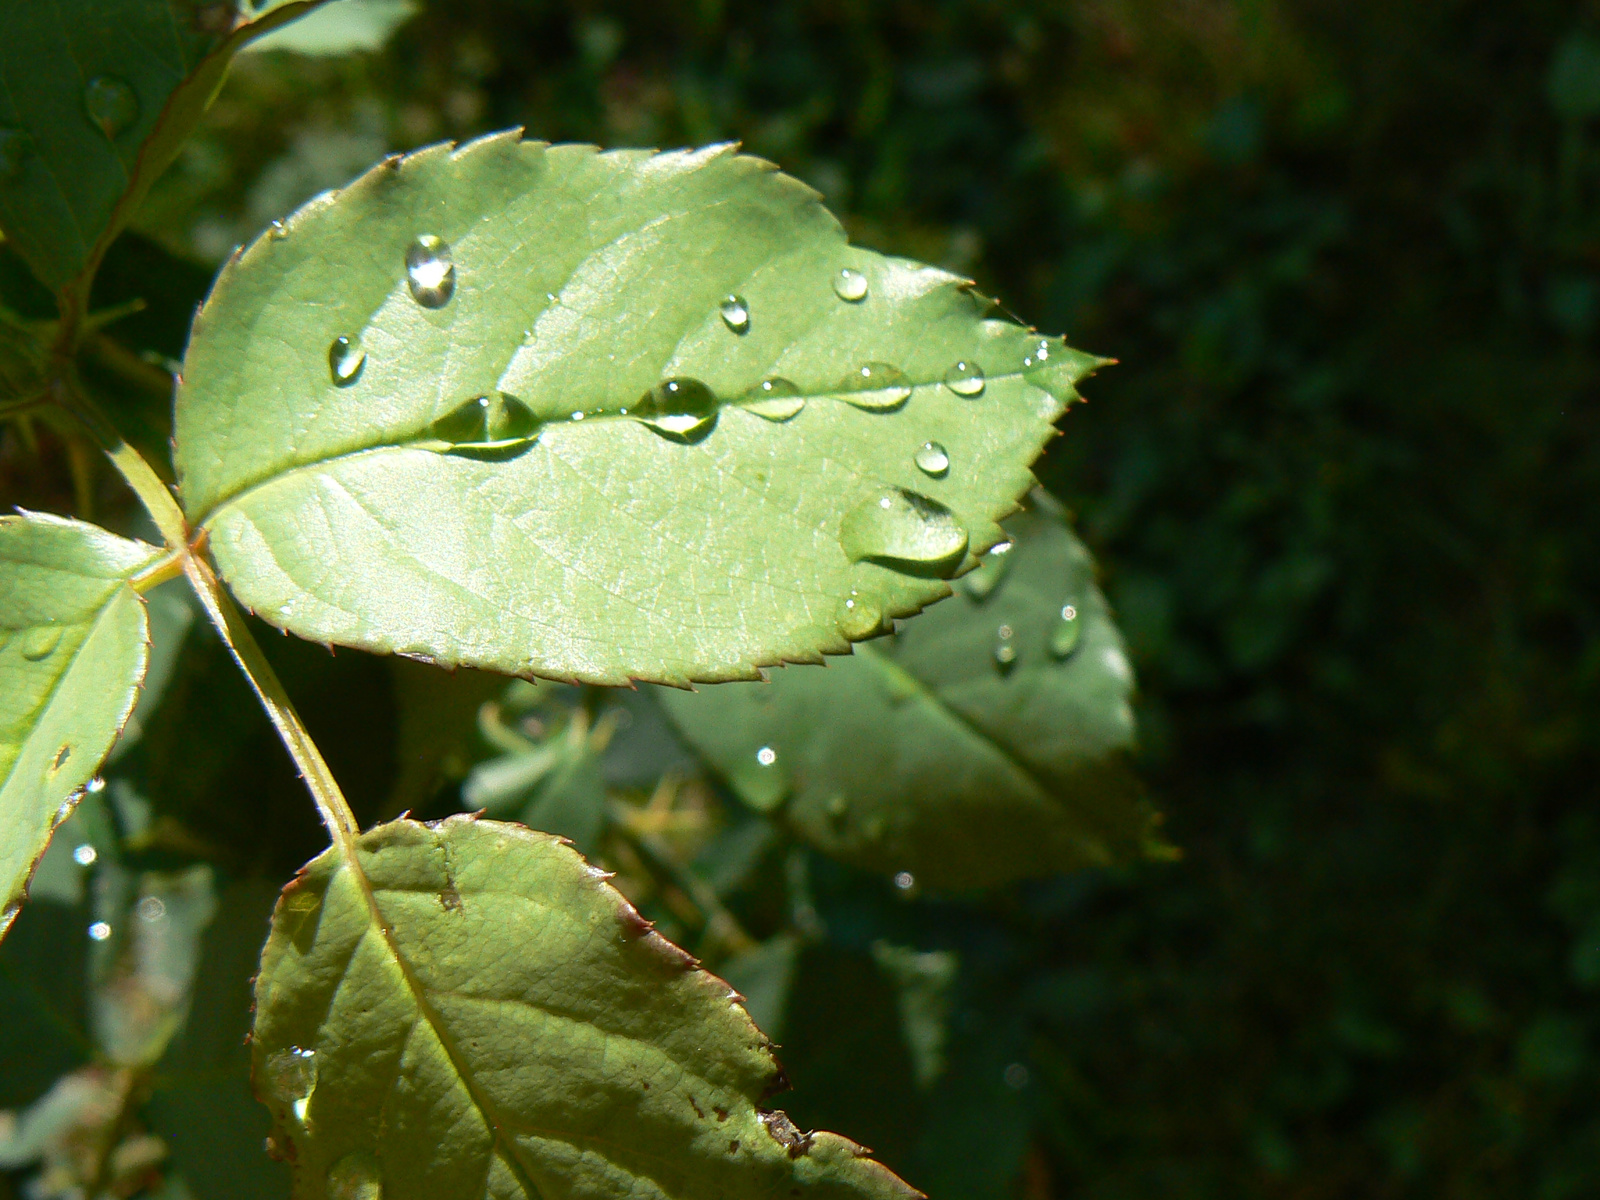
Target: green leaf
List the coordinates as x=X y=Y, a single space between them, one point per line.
x=997 y=730
x=96 y=97
x=424 y=486
x=73 y=645
x=341 y=28
x=478 y=1013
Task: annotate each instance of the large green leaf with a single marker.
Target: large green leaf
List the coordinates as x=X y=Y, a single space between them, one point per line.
x=96 y=96
x=73 y=645
x=995 y=730
x=617 y=506
x=477 y=1013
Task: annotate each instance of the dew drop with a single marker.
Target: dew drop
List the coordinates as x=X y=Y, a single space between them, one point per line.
x=495 y=421
x=356 y=1176
x=875 y=387
x=1005 y=648
x=850 y=286
x=14 y=148
x=858 y=616
x=904 y=529
x=736 y=314
x=99 y=931
x=111 y=104
x=1038 y=357
x=96 y=785
x=1064 y=637
x=1016 y=1076
x=291 y=1076
x=980 y=583
x=85 y=854
x=680 y=410
x=40 y=642
x=965 y=379
x=932 y=459
x=766 y=756
x=776 y=399
x=905 y=880
x=345 y=361
x=278 y=231
x=151 y=909
x=430 y=271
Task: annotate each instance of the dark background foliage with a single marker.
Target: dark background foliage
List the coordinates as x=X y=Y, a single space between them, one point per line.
x=1342 y=485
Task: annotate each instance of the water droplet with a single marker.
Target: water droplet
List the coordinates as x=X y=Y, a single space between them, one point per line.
x=875 y=387
x=1016 y=1077
x=980 y=583
x=859 y=617
x=497 y=421
x=1005 y=648
x=850 y=286
x=356 y=1176
x=965 y=379
x=766 y=756
x=40 y=642
x=932 y=459
x=99 y=931
x=906 y=530
x=152 y=909
x=111 y=104
x=85 y=855
x=291 y=1076
x=96 y=785
x=278 y=232
x=776 y=399
x=430 y=271
x=1064 y=637
x=736 y=314
x=345 y=360
x=681 y=410
x=14 y=148
x=1038 y=356
x=905 y=880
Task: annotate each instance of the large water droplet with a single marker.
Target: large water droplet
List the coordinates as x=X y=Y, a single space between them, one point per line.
x=14 y=148
x=111 y=104
x=290 y=1076
x=905 y=530
x=345 y=360
x=990 y=572
x=858 y=616
x=1005 y=648
x=850 y=286
x=776 y=399
x=681 y=410
x=493 y=423
x=430 y=271
x=965 y=379
x=356 y=1176
x=932 y=459
x=875 y=387
x=736 y=314
x=1064 y=637
x=40 y=642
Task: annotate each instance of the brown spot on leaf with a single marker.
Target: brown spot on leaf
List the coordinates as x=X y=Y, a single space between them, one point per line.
x=722 y=1113
x=696 y=1108
x=449 y=897
x=786 y=1133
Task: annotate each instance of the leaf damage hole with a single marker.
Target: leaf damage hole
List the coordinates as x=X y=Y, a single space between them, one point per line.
x=786 y=1133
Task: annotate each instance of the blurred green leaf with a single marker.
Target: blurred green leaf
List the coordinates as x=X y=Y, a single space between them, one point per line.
x=73 y=648
x=764 y=976
x=997 y=726
x=474 y=303
x=549 y=1043
x=341 y=27
x=923 y=979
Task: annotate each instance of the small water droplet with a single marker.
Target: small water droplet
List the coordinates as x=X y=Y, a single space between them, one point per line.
x=875 y=387
x=736 y=314
x=151 y=909
x=681 y=410
x=776 y=399
x=1064 y=637
x=932 y=459
x=766 y=756
x=430 y=271
x=356 y=1176
x=905 y=880
x=96 y=785
x=99 y=931
x=859 y=616
x=290 y=1077
x=980 y=583
x=278 y=233
x=345 y=361
x=496 y=422
x=850 y=286
x=1016 y=1077
x=84 y=855
x=40 y=642
x=904 y=529
x=1005 y=648
x=965 y=379
x=111 y=104
x=14 y=149
x=1038 y=356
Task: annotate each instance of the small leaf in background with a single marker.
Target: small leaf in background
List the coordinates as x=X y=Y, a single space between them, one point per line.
x=437 y=734
x=519 y=430
x=764 y=976
x=73 y=648
x=479 y=1012
x=923 y=979
x=340 y=28
x=997 y=724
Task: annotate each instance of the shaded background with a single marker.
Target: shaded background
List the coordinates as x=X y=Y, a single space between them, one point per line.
x=1342 y=486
